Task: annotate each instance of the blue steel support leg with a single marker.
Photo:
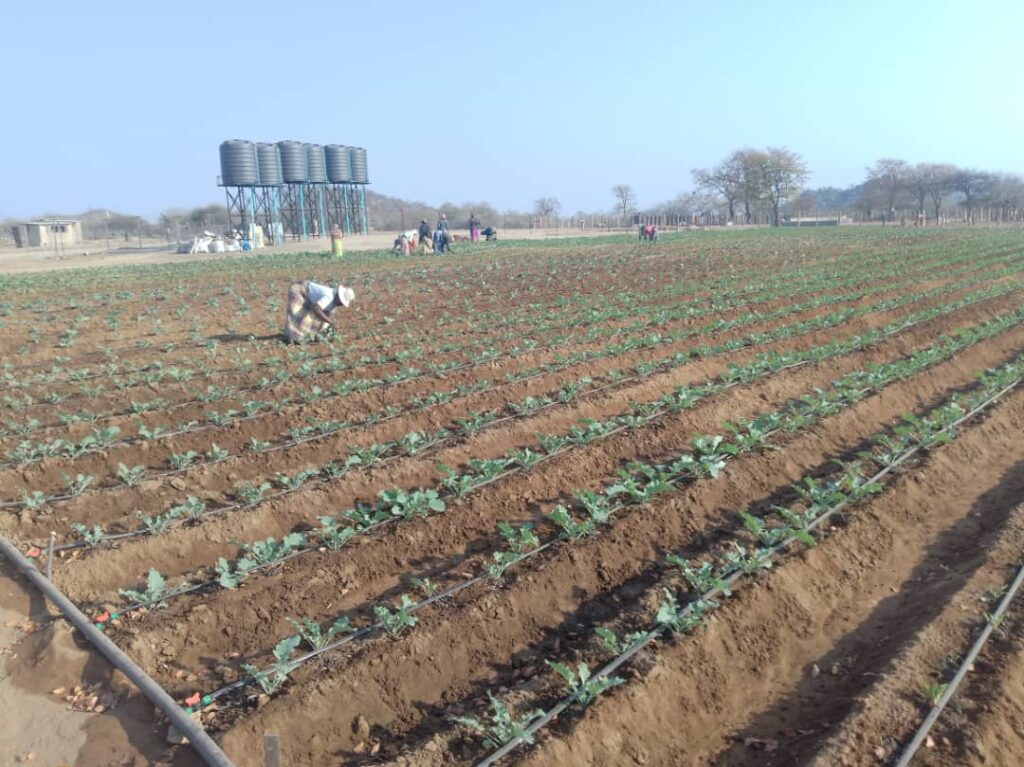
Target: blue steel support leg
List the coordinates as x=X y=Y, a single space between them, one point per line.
x=362 y=209
x=321 y=199
x=348 y=217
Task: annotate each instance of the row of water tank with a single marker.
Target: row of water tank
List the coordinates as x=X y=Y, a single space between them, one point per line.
x=244 y=163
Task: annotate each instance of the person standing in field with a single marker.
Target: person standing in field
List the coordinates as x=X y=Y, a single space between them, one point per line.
x=426 y=236
x=309 y=310
x=474 y=228
x=442 y=222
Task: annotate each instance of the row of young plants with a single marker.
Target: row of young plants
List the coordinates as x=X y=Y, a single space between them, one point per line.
x=159 y=306
x=378 y=289
x=397 y=504
x=618 y=306
x=308 y=369
x=421 y=443
x=104 y=439
x=338 y=360
x=181 y=371
x=755 y=548
x=612 y=306
x=638 y=483
x=161 y=296
x=759 y=252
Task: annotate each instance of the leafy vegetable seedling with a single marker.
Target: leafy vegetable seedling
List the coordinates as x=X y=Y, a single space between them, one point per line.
x=155 y=588
x=580 y=684
x=503 y=727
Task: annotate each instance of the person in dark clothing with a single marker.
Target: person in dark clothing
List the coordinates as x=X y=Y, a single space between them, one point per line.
x=490 y=233
x=426 y=234
x=442 y=222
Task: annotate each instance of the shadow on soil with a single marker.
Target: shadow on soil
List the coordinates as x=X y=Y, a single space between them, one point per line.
x=824 y=701
x=245 y=337
x=133 y=716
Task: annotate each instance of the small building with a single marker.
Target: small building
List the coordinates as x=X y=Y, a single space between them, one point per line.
x=48 y=233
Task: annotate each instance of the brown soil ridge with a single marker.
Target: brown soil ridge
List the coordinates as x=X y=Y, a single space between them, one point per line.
x=872 y=580
x=391 y=682
x=984 y=722
x=95 y=578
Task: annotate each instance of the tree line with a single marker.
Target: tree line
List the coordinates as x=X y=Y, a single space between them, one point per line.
x=751 y=180
x=747 y=186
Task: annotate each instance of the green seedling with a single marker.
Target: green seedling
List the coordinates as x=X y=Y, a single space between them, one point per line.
x=271 y=679
x=313 y=634
x=518 y=539
x=181 y=461
x=583 y=687
x=670 y=616
x=130 y=476
x=934 y=692
x=216 y=453
x=737 y=559
x=155 y=588
x=503 y=727
x=702 y=578
x=34 y=501
x=426 y=586
x=269 y=550
x=78 y=484
x=399 y=503
x=619 y=646
x=333 y=534
x=396 y=620
x=525 y=457
x=571 y=529
x=157 y=523
x=250 y=495
x=91 y=535
x=227 y=577
x=191 y=509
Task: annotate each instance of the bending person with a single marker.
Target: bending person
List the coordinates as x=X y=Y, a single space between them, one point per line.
x=310 y=307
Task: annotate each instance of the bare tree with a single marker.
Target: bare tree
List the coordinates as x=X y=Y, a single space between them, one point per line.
x=888 y=179
x=625 y=200
x=972 y=184
x=726 y=179
x=1006 y=192
x=751 y=184
x=547 y=206
x=939 y=183
x=917 y=187
x=782 y=173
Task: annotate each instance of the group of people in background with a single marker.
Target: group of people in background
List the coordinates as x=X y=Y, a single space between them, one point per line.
x=648 y=233
x=439 y=239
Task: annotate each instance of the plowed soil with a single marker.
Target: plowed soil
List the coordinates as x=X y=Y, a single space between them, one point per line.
x=822 y=660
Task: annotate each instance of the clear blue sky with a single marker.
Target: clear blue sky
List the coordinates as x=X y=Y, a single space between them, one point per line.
x=123 y=105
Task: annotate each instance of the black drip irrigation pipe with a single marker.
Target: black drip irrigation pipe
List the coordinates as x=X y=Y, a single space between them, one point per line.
x=203 y=744
x=954 y=683
x=620 y=660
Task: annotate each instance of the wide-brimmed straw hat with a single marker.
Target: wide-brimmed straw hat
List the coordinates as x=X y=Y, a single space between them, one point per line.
x=345 y=295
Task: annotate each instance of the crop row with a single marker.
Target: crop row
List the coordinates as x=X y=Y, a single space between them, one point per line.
x=637 y=483
x=157 y=308
x=421 y=443
x=341 y=359
x=762 y=540
x=703 y=459
x=103 y=439
x=478 y=280
x=338 y=363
